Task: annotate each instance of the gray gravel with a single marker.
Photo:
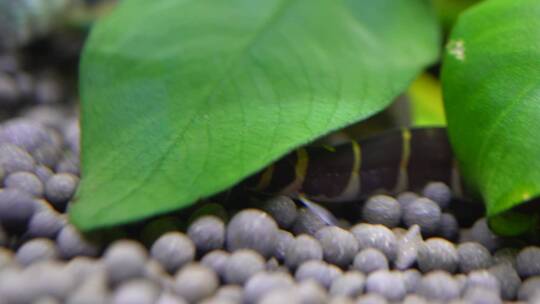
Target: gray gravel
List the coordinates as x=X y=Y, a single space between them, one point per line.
x=207 y=233
x=509 y=280
x=307 y=222
x=339 y=246
x=369 y=260
x=125 y=260
x=319 y=271
x=408 y=248
x=528 y=262
x=25 y=181
x=424 y=213
x=438 y=285
x=376 y=236
x=173 y=250
x=241 y=265
x=60 y=188
x=252 y=229
x=389 y=284
x=529 y=289
x=437 y=253
x=36 y=250
x=263 y=282
x=439 y=193
x=303 y=248
x=195 y=282
x=473 y=256
x=217 y=261
x=282 y=209
x=16 y=209
x=382 y=209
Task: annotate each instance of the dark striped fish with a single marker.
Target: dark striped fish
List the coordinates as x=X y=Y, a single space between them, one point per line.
x=390 y=163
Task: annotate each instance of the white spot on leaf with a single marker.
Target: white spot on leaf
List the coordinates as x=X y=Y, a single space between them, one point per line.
x=456 y=48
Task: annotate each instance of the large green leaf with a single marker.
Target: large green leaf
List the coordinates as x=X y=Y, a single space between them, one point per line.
x=182 y=99
x=491 y=82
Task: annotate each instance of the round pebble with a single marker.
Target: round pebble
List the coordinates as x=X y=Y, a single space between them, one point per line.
x=13 y=289
x=69 y=164
x=46 y=223
x=411 y=278
x=481 y=233
x=43 y=173
x=46 y=300
x=24 y=133
x=405 y=199
x=93 y=289
x=307 y=222
x=473 y=256
x=263 y=282
x=289 y=296
x=49 y=278
x=60 y=188
x=382 y=209
x=195 y=282
x=528 y=262
x=439 y=193
x=424 y=213
x=438 y=285
x=13 y=159
x=47 y=154
x=339 y=246
x=311 y=292
x=529 y=289
x=369 y=260
x=319 y=271
x=414 y=299
x=437 y=253
x=173 y=250
x=371 y=298
x=340 y=300
x=124 y=260
x=136 y=292
x=482 y=278
x=480 y=295
x=283 y=209
x=284 y=239
x=36 y=250
x=217 y=261
x=448 y=227
x=350 y=284
x=82 y=268
x=302 y=249
x=505 y=256
x=25 y=181
x=389 y=284
x=508 y=278
x=16 y=209
x=252 y=229
x=376 y=236
x=169 y=298
x=233 y=293
x=242 y=265
x=207 y=233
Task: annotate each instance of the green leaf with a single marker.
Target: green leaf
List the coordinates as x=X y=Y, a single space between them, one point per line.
x=183 y=99
x=426 y=102
x=449 y=10
x=491 y=87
